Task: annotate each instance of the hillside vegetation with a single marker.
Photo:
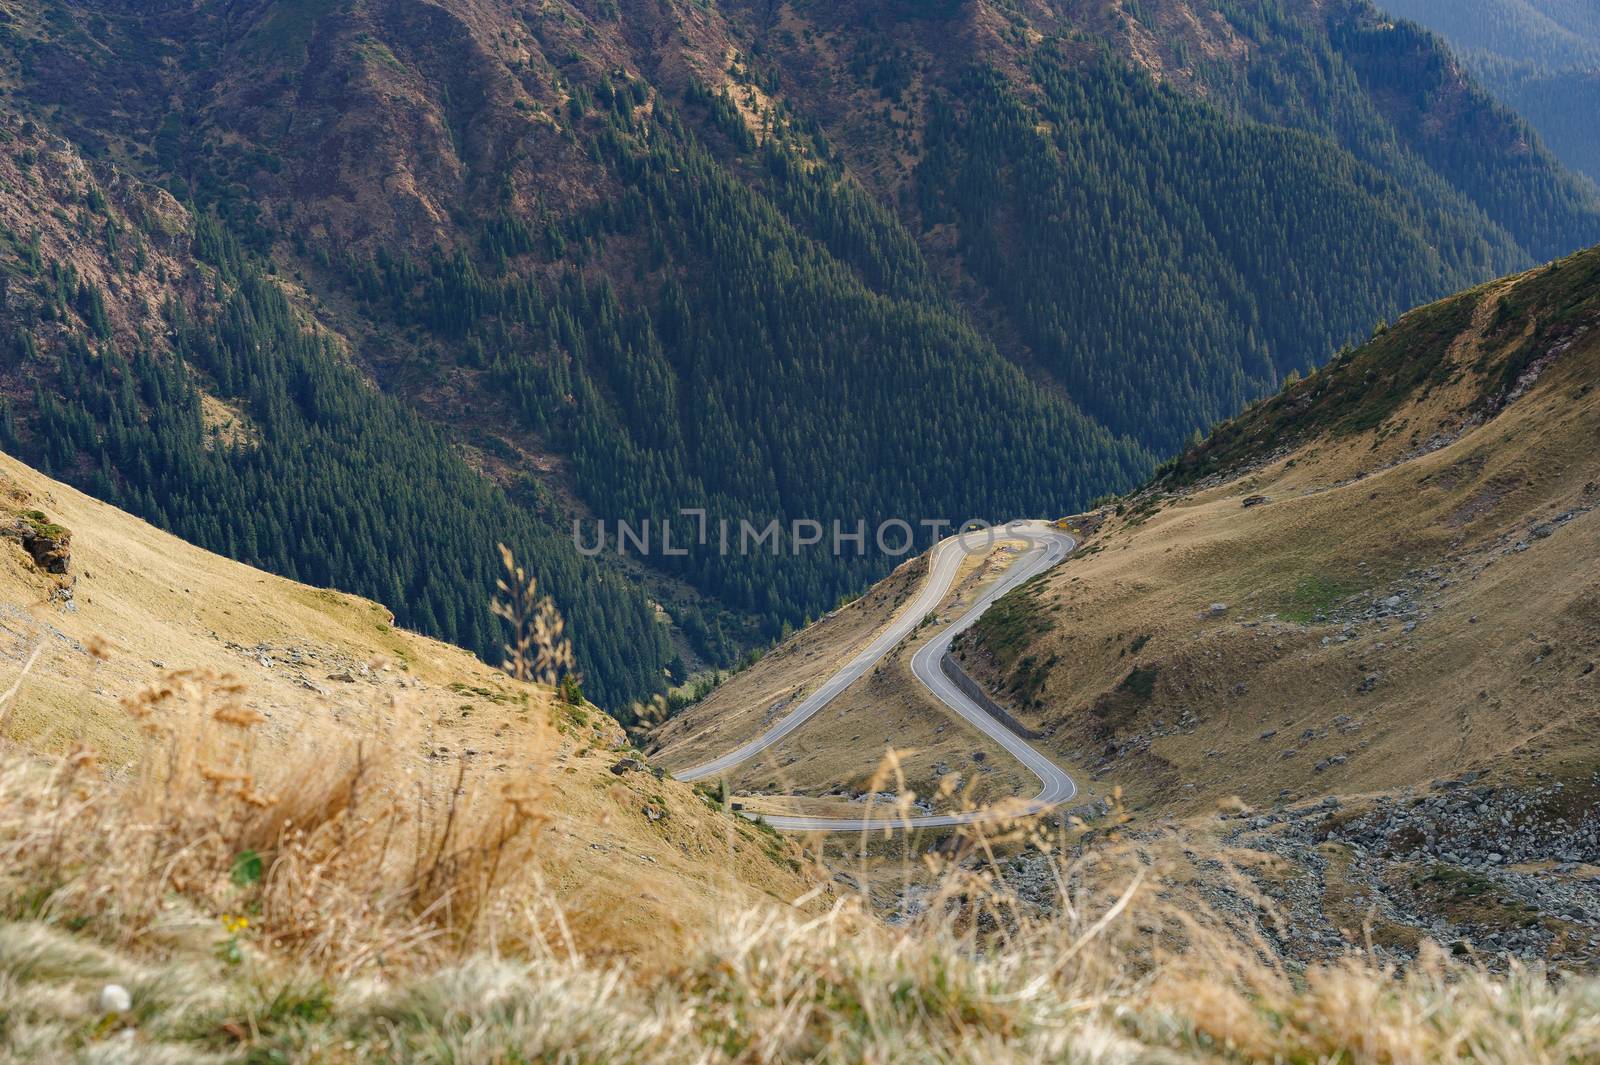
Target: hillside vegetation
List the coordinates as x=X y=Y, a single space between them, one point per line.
x=305 y=835
x=1360 y=618
x=164 y=697
x=149 y=360
x=1378 y=577
x=628 y=258
x=1542 y=57
x=1377 y=586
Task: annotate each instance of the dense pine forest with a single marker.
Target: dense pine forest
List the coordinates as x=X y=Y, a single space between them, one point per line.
x=1542 y=57
x=335 y=485
x=816 y=373
x=471 y=279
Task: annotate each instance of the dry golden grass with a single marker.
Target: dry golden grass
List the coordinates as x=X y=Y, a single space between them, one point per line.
x=433 y=863
x=343 y=856
x=1121 y=967
x=272 y=882
x=1492 y=674
x=342 y=692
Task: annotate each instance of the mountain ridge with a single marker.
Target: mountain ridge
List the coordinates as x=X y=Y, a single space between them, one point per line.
x=1539 y=56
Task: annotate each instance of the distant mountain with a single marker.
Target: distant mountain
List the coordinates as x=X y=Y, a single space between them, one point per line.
x=1556 y=33
x=1542 y=57
x=147 y=360
x=773 y=260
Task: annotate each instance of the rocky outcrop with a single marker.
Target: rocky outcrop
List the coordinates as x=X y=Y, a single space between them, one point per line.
x=49 y=545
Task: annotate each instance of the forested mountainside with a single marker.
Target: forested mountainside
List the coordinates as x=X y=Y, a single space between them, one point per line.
x=776 y=260
x=151 y=363
x=1542 y=57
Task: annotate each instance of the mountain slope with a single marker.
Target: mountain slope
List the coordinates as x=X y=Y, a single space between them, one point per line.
x=1555 y=33
x=1378 y=577
x=1347 y=648
x=659 y=943
x=636 y=258
x=147 y=360
x=1168 y=244
x=637 y=861
x=1542 y=57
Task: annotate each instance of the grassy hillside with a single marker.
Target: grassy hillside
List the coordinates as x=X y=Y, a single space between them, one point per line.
x=1377 y=577
x=836 y=762
x=120 y=660
x=246 y=820
x=1397 y=549
x=1360 y=618
x=305 y=835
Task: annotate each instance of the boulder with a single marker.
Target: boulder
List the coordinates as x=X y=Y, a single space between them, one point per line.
x=48 y=544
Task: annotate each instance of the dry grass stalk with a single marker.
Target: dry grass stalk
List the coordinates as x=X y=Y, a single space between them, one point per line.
x=539 y=652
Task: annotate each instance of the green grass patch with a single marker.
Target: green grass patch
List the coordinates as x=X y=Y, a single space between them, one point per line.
x=1029 y=678
x=1119 y=706
x=1011 y=625
x=287 y=33
x=1313 y=594
x=1141 y=683
x=1356 y=392
x=43 y=526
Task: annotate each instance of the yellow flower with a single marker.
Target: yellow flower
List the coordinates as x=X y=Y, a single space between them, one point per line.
x=235 y=923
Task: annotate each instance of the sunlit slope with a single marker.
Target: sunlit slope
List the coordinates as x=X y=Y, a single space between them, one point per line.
x=637 y=861
x=1383 y=575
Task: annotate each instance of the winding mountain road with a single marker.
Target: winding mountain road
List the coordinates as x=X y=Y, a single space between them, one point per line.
x=1048 y=545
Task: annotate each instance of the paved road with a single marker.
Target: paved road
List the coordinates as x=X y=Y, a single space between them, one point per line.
x=1048 y=545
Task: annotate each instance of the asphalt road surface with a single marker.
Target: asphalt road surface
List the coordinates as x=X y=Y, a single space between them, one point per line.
x=1048 y=545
